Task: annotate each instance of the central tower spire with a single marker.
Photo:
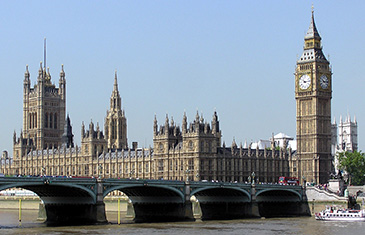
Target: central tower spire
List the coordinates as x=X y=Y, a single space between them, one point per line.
x=115 y=121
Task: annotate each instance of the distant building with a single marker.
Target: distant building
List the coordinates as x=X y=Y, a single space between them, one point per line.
x=344 y=137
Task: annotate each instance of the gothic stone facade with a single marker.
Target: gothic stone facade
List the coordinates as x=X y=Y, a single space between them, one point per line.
x=313 y=93
x=194 y=152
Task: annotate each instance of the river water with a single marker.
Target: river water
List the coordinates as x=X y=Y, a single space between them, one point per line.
x=9 y=224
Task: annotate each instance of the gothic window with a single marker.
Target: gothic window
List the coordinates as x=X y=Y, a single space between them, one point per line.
x=191 y=145
x=55 y=121
x=46 y=121
x=30 y=121
x=191 y=164
x=50 y=120
x=35 y=120
x=160 y=165
x=140 y=167
x=147 y=166
x=112 y=124
x=202 y=146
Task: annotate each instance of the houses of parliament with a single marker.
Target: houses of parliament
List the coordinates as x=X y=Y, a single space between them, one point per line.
x=193 y=151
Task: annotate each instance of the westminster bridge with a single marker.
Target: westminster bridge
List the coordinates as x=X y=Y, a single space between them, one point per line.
x=80 y=200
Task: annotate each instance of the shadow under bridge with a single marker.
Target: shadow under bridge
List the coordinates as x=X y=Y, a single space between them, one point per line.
x=64 y=202
x=279 y=202
x=221 y=203
x=155 y=202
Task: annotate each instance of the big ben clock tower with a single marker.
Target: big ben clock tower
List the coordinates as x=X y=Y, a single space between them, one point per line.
x=313 y=93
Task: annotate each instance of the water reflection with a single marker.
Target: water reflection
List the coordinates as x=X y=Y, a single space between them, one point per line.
x=280 y=226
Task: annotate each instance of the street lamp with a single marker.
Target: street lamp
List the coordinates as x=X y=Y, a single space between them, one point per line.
x=100 y=170
x=304 y=181
x=187 y=174
x=131 y=173
x=253 y=178
x=249 y=179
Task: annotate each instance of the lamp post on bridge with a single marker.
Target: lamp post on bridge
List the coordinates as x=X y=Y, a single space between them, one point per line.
x=304 y=181
x=197 y=176
x=100 y=167
x=131 y=173
x=253 y=178
x=187 y=175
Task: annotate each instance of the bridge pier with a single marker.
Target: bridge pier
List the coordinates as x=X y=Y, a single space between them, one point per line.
x=254 y=210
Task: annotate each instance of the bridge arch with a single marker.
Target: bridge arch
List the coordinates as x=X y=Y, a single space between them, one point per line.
x=208 y=188
x=279 y=192
x=145 y=190
x=46 y=191
x=279 y=202
x=221 y=202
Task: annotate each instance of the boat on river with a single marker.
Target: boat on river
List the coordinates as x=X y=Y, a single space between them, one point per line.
x=335 y=213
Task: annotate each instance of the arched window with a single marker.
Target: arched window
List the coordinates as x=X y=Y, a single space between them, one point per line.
x=35 y=120
x=50 y=120
x=55 y=121
x=46 y=121
x=29 y=122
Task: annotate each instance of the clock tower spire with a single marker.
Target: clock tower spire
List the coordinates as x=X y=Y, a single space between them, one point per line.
x=313 y=94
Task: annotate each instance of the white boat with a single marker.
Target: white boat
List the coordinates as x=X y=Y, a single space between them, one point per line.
x=334 y=213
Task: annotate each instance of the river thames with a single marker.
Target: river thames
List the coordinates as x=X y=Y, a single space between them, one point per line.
x=9 y=224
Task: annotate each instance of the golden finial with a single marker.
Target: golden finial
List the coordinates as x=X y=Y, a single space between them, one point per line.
x=312 y=8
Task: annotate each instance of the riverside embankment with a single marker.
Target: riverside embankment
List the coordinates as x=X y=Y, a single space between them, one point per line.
x=32 y=203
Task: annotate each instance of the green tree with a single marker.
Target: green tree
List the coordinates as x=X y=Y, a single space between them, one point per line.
x=354 y=164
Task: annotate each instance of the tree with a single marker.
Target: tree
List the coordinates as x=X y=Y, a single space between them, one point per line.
x=354 y=164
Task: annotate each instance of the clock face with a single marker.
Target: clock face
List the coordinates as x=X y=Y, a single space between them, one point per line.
x=323 y=80
x=304 y=81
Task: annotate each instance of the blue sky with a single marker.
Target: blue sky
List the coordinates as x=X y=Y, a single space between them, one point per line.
x=235 y=57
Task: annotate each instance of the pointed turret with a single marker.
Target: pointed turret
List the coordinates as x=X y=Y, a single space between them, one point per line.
x=26 y=80
x=67 y=137
x=155 y=127
x=115 y=100
x=312 y=31
x=312 y=45
x=184 y=123
x=116 y=123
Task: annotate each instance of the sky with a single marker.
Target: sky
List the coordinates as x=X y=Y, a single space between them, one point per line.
x=171 y=57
